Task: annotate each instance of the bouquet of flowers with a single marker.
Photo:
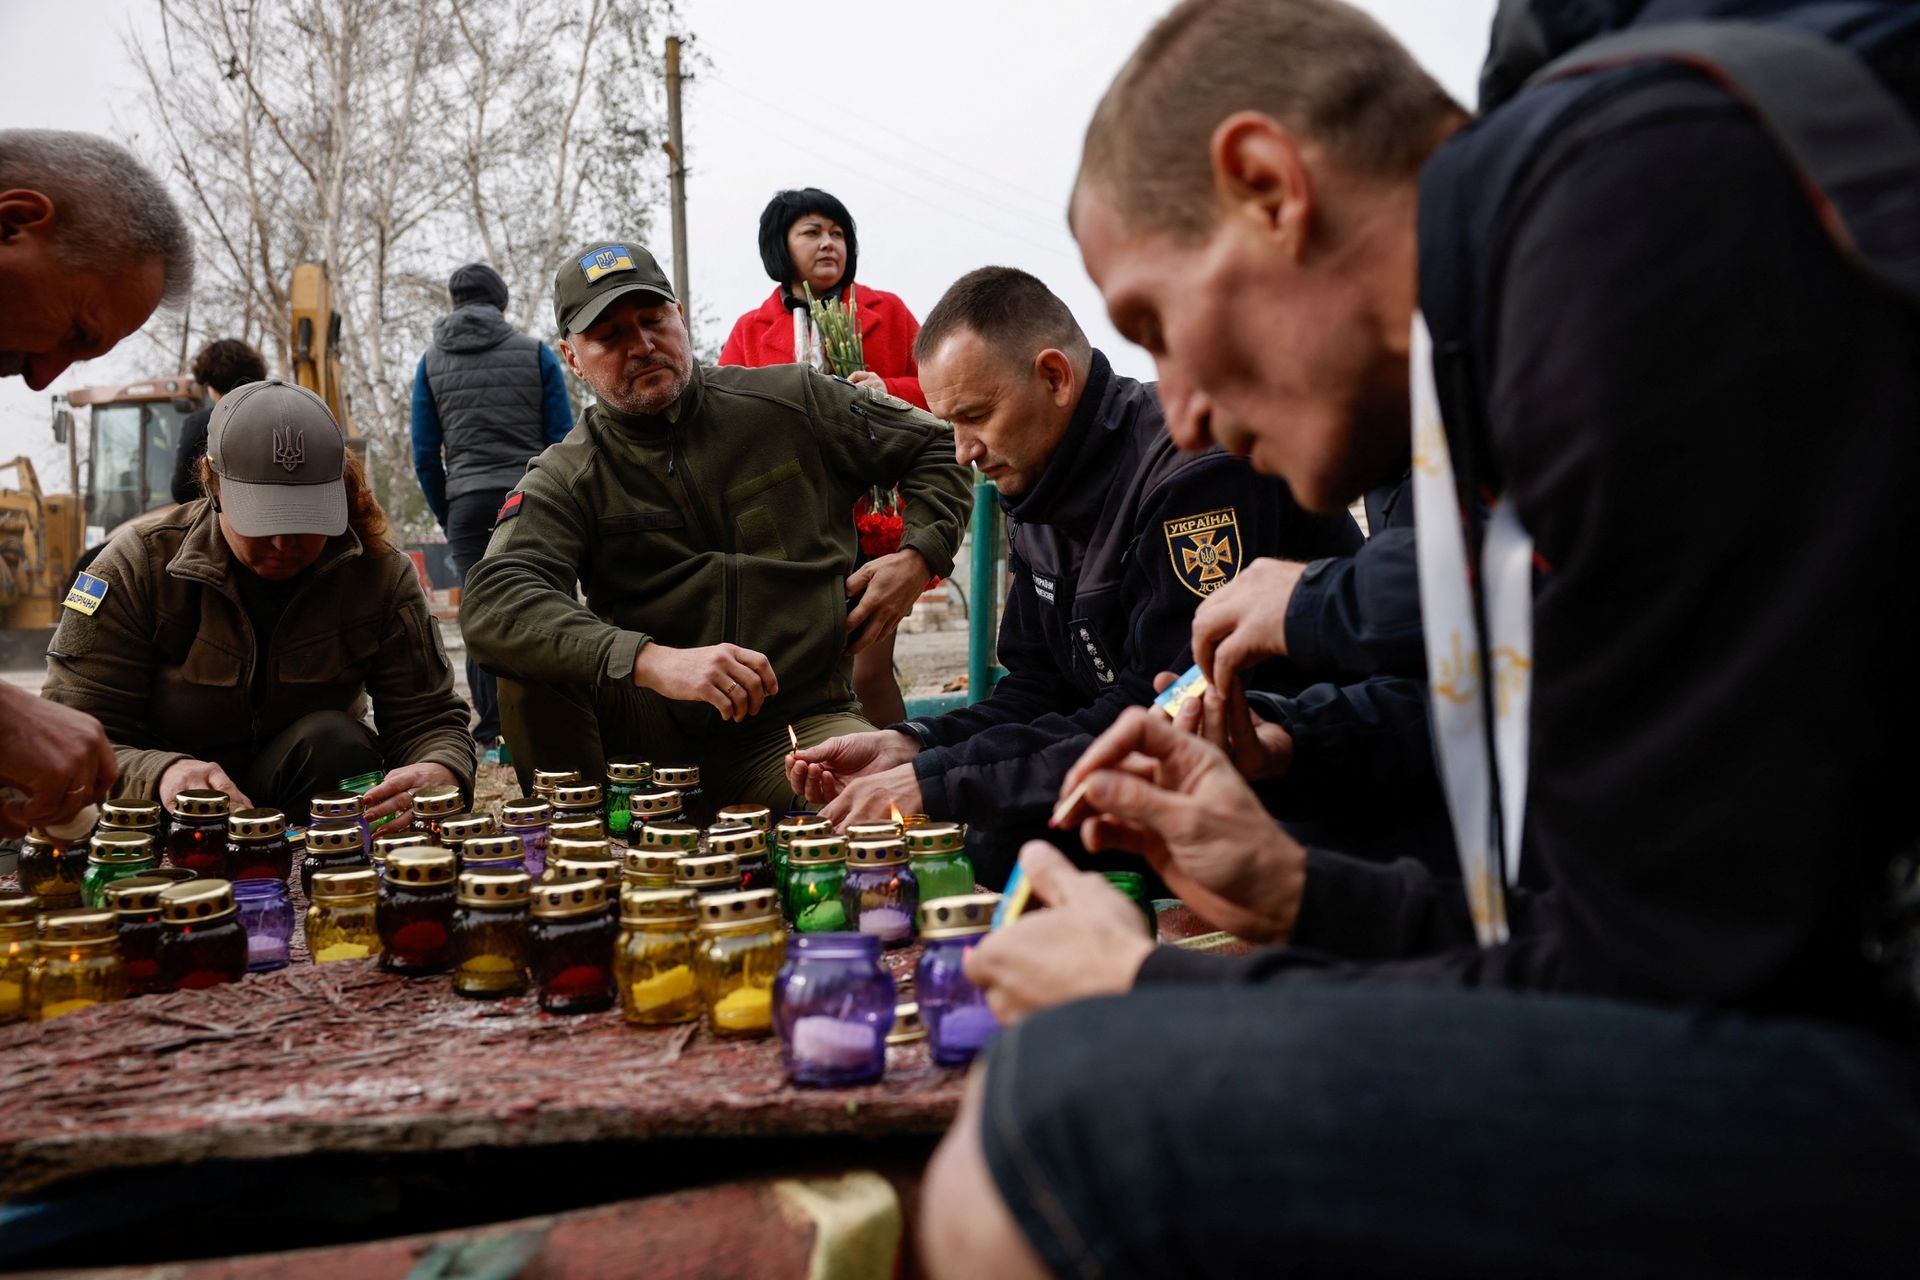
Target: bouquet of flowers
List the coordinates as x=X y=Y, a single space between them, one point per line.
x=880 y=521
x=838 y=324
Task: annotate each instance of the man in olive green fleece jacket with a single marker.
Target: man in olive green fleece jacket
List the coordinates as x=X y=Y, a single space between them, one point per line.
x=704 y=511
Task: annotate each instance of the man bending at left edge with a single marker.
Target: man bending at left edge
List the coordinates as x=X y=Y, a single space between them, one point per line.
x=701 y=509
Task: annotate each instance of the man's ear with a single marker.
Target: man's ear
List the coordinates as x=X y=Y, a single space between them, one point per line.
x=1260 y=174
x=566 y=353
x=24 y=212
x=1054 y=369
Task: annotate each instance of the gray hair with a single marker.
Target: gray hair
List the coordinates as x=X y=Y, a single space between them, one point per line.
x=111 y=207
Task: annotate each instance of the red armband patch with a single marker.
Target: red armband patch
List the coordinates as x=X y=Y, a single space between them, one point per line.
x=508 y=509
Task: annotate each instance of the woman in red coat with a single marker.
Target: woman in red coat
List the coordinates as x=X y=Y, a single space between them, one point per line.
x=807 y=237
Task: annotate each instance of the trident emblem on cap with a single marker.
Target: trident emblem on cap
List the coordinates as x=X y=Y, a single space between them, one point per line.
x=289 y=450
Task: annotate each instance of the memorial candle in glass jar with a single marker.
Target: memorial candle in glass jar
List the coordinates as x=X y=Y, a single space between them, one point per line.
x=432 y=806
x=198 y=840
x=76 y=964
x=816 y=872
x=790 y=828
x=339 y=847
x=647 y=869
x=415 y=911
x=573 y=934
x=135 y=903
x=341 y=923
x=653 y=957
x=136 y=815
x=708 y=874
x=332 y=808
x=748 y=845
x=880 y=894
x=257 y=846
x=660 y=805
x=455 y=832
x=685 y=779
x=114 y=855
x=833 y=1004
x=201 y=941
x=492 y=853
x=528 y=818
x=937 y=852
x=625 y=779
x=546 y=781
x=267 y=916
x=19 y=928
x=736 y=959
x=957 y=1019
x=490 y=934
x=53 y=871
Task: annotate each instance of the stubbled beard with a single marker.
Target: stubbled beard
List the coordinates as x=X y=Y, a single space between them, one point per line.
x=648 y=402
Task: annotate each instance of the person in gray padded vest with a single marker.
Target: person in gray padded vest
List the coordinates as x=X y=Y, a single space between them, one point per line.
x=486 y=398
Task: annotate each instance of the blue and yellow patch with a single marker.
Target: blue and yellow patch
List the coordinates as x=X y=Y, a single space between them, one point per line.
x=1205 y=549
x=86 y=594
x=605 y=261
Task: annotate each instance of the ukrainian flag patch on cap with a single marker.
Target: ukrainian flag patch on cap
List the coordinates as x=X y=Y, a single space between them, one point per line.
x=605 y=261
x=86 y=594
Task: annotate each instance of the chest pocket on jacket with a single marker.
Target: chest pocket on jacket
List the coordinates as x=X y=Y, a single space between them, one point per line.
x=755 y=503
x=341 y=656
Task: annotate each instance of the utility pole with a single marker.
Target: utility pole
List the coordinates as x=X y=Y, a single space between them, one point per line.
x=677 y=152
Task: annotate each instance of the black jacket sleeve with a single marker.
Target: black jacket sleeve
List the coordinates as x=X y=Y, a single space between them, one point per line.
x=1354 y=745
x=1359 y=615
x=186 y=458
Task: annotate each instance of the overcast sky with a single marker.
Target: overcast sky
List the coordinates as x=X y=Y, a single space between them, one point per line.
x=953 y=134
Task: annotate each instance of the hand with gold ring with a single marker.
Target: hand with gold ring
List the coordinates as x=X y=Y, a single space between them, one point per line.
x=395 y=792
x=734 y=680
x=58 y=759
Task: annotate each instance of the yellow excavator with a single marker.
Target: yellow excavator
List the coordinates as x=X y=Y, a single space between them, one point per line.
x=133 y=433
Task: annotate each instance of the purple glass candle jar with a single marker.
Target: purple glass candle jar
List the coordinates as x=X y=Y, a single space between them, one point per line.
x=267 y=916
x=959 y=1024
x=880 y=894
x=528 y=818
x=833 y=1004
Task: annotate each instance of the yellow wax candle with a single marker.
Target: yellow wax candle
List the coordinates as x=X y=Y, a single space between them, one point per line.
x=485 y=963
x=342 y=951
x=744 y=1009
x=669 y=986
x=12 y=996
x=59 y=1008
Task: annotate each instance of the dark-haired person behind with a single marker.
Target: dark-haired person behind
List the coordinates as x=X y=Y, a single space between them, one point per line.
x=807 y=237
x=220 y=366
x=240 y=640
x=1115 y=537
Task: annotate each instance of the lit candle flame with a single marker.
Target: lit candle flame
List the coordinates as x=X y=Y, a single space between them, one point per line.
x=793 y=738
x=894 y=810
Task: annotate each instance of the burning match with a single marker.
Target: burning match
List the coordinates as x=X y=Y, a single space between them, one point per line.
x=794 y=738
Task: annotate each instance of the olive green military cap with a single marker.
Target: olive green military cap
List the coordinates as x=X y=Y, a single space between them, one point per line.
x=588 y=282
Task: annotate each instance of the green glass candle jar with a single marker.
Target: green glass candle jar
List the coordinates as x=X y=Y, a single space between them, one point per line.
x=114 y=855
x=816 y=872
x=1134 y=885
x=625 y=779
x=19 y=925
x=937 y=852
x=785 y=832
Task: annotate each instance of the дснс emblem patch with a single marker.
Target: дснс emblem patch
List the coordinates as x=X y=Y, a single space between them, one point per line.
x=1205 y=549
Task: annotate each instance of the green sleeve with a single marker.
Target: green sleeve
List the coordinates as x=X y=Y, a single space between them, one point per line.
x=417 y=712
x=521 y=612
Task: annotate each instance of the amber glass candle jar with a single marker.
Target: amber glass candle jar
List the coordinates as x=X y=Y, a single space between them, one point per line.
x=490 y=929
x=198 y=840
x=257 y=846
x=653 y=959
x=573 y=933
x=331 y=848
x=111 y=856
x=76 y=964
x=528 y=818
x=341 y=920
x=415 y=911
x=19 y=927
x=740 y=949
x=135 y=903
x=53 y=871
x=708 y=874
x=432 y=806
x=202 y=943
x=748 y=845
x=685 y=779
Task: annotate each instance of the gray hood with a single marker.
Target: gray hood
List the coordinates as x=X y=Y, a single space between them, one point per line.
x=476 y=327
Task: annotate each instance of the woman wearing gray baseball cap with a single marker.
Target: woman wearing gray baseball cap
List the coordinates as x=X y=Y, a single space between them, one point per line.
x=239 y=642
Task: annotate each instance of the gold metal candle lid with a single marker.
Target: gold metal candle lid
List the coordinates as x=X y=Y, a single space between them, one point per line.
x=130 y=815
x=810 y=851
x=385 y=847
x=257 y=824
x=757 y=816
x=936 y=837
x=655 y=804
x=628 y=771
x=455 y=831
x=724 y=910
x=742 y=842
x=876 y=853
x=22 y=908
x=494 y=888
x=677 y=775
x=117 y=848
x=874 y=831
x=438 y=802
x=714 y=868
x=649 y=862
x=569 y=898
x=335 y=804
x=345 y=886
x=201 y=804
x=196 y=902
x=578 y=829
x=527 y=811
x=79 y=924
x=787 y=830
x=136 y=895
x=172 y=875
x=640 y=906
x=571 y=849
x=960 y=916
x=341 y=838
x=907 y=1026
x=484 y=849
x=670 y=837
x=576 y=795
x=420 y=864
